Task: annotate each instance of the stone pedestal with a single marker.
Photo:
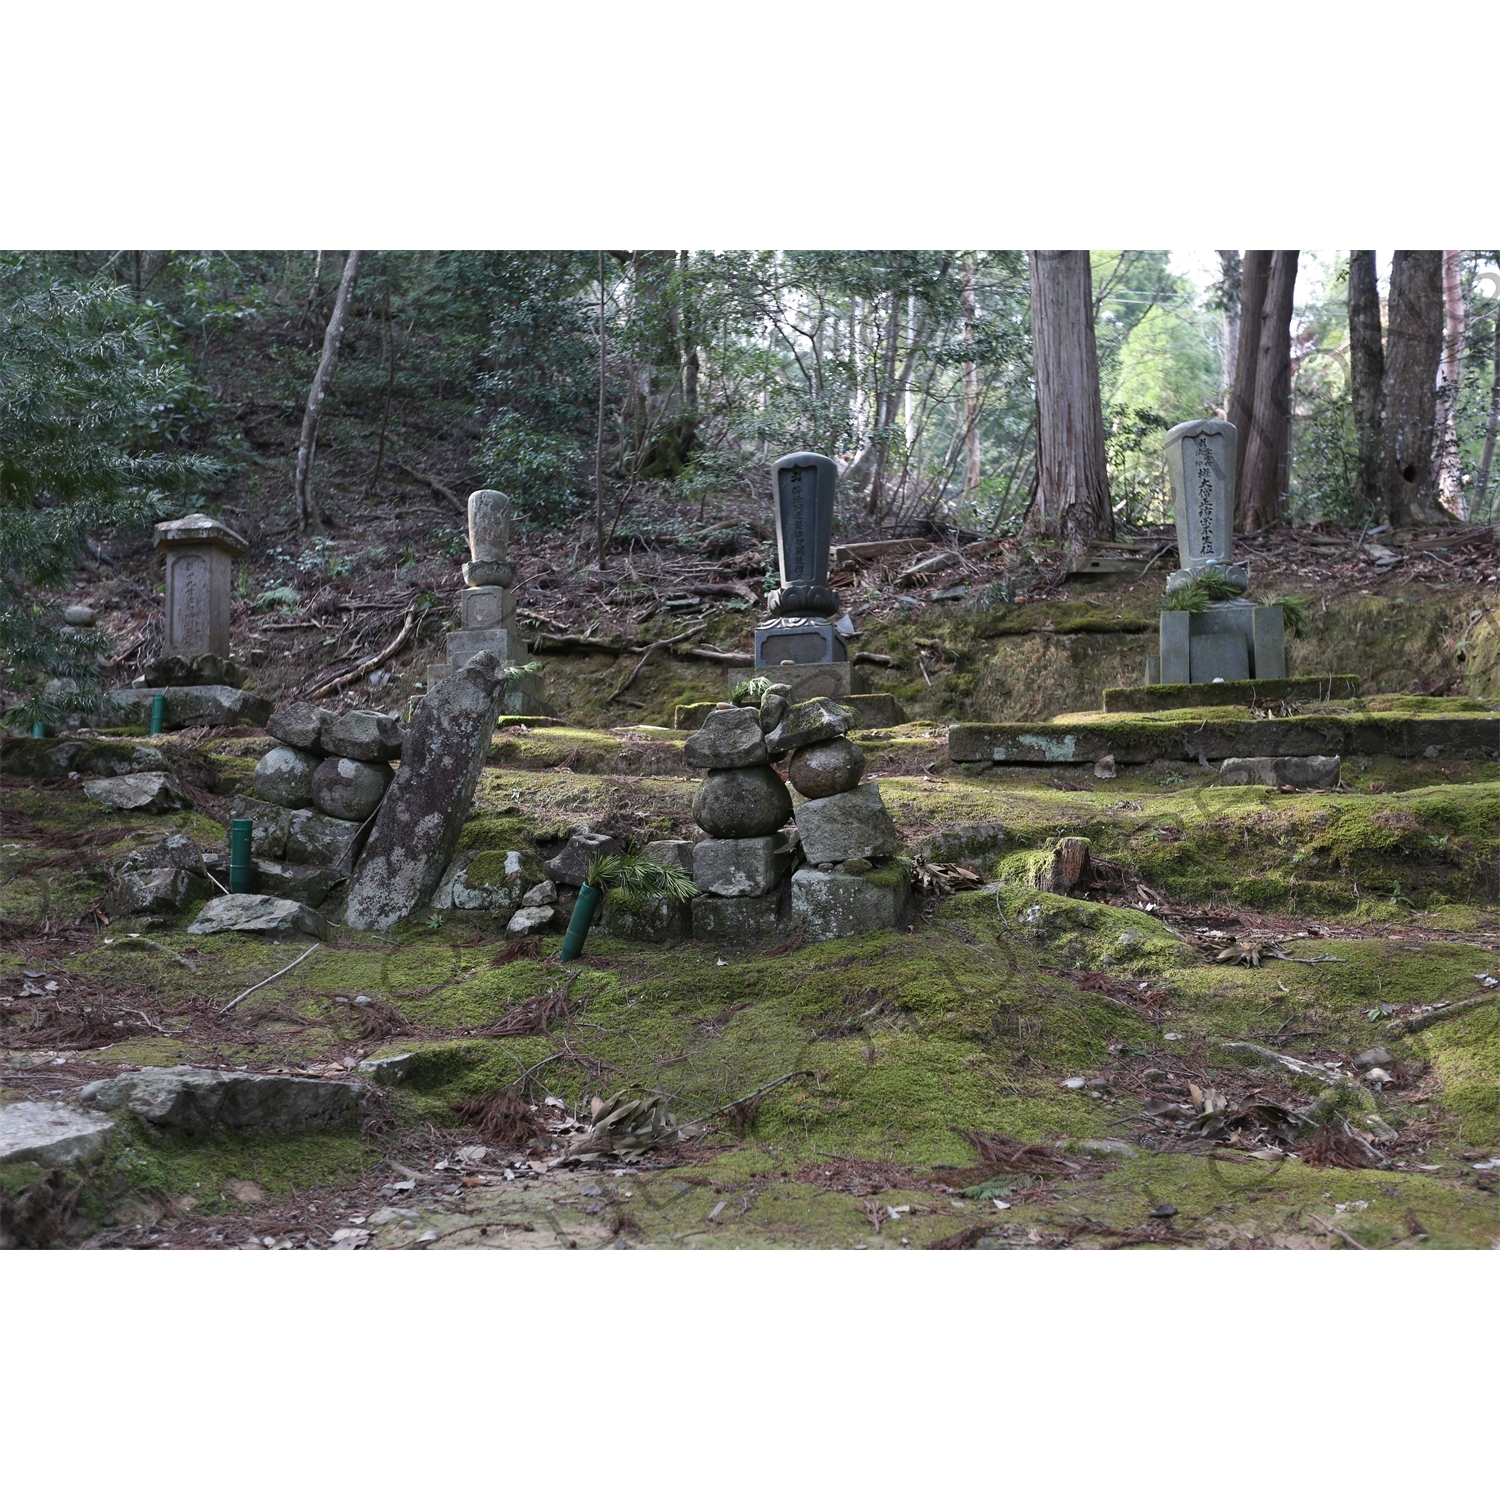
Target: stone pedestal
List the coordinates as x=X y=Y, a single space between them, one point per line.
x=199 y=553
x=1234 y=641
x=833 y=679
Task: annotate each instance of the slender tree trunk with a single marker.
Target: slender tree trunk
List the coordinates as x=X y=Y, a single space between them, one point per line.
x=1267 y=444
x=390 y=386
x=1253 y=273
x=308 y=508
x=1366 y=370
x=1414 y=347
x=1231 y=270
x=599 y=430
x=1450 y=374
x=1073 y=477
x=971 y=389
x=1491 y=427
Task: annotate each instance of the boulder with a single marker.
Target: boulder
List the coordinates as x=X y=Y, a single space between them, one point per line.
x=300 y=725
x=741 y=804
x=258 y=914
x=485 y=880
x=363 y=734
x=529 y=920
x=544 y=893
x=78 y=614
x=417 y=827
x=729 y=737
x=147 y=791
x=847 y=826
x=570 y=867
x=827 y=768
x=206 y=670
x=195 y=1100
x=1321 y=771
x=184 y=707
x=736 y=921
x=740 y=867
x=285 y=776
x=55 y=758
x=175 y=852
x=808 y=723
x=345 y=788
x=52 y=1135
x=154 y=892
x=828 y=905
x=269 y=825
x=675 y=852
x=313 y=839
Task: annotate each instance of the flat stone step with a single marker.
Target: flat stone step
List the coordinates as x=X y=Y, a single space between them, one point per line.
x=1406 y=736
x=1265 y=691
x=52 y=1135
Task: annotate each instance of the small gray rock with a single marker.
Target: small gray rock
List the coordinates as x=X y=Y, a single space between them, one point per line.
x=78 y=614
x=147 y=791
x=345 y=788
x=827 y=768
x=314 y=839
x=729 y=737
x=675 y=852
x=570 y=867
x=544 y=894
x=740 y=867
x=285 y=776
x=1376 y=1057
x=52 y=1135
x=388 y=1070
x=154 y=892
x=194 y=1100
x=364 y=735
x=530 y=919
x=808 y=723
x=851 y=825
x=300 y=725
x=741 y=804
x=269 y=825
x=773 y=708
x=175 y=852
x=258 y=914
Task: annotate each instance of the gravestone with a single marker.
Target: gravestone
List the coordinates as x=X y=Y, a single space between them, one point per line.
x=199 y=555
x=1233 y=640
x=801 y=630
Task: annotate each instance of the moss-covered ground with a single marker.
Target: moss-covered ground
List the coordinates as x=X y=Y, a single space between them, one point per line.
x=1007 y=1011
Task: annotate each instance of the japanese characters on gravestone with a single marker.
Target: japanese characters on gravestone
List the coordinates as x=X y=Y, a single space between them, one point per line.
x=199 y=555
x=1232 y=640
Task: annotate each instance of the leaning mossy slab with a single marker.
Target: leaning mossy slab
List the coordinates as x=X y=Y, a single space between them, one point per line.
x=1264 y=692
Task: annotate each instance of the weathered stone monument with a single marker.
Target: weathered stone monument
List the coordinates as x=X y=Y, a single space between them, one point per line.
x=487 y=608
x=801 y=642
x=1230 y=640
x=199 y=553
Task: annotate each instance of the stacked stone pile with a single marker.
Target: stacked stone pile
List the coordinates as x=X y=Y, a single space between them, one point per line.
x=316 y=794
x=844 y=832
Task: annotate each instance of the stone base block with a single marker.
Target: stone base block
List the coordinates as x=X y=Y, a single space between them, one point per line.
x=313 y=839
x=659 y=921
x=740 y=867
x=832 y=905
x=740 y=921
x=833 y=679
x=184 y=707
x=1321 y=771
x=269 y=825
x=310 y=884
x=675 y=852
x=851 y=825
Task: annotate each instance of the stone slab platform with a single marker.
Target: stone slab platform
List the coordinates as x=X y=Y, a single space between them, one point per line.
x=1455 y=736
x=875 y=710
x=1265 y=691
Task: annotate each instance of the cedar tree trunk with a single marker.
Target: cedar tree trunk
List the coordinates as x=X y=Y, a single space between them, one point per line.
x=1254 y=270
x=1366 y=369
x=1074 y=480
x=1414 y=346
x=1267 y=445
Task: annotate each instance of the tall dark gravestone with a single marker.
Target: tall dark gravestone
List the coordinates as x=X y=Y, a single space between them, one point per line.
x=800 y=630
